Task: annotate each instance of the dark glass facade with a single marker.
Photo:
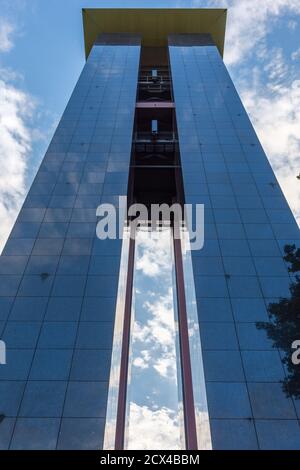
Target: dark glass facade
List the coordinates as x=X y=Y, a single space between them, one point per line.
x=240 y=269
x=59 y=282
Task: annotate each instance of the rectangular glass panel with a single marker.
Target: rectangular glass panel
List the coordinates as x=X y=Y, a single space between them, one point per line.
x=112 y=402
x=199 y=389
x=154 y=411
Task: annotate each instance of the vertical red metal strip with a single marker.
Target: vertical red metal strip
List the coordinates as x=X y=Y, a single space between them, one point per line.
x=188 y=395
x=121 y=410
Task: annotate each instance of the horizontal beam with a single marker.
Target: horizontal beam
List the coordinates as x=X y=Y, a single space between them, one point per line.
x=155 y=104
x=154 y=24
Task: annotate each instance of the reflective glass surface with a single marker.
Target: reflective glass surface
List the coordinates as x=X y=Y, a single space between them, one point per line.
x=199 y=389
x=240 y=271
x=154 y=403
x=58 y=281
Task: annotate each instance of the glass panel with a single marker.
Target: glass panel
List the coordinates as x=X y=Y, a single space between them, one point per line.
x=199 y=389
x=112 y=402
x=154 y=416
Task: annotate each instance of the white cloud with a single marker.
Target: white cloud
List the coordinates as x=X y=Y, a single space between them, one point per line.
x=248 y=22
x=16 y=136
x=292 y=24
x=296 y=54
x=7 y=30
x=152 y=429
x=276 y=68
x=157 y=333
x=154 y=326
x=16 y=107
x=155 y=258
x=142 y=361
x=275 y=113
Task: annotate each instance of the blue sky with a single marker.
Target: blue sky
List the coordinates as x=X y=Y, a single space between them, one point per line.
x=42 y=54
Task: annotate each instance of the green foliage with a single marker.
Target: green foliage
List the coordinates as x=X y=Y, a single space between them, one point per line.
x=284 y=327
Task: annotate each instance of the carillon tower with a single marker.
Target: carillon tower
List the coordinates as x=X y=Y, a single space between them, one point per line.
x=139 y=342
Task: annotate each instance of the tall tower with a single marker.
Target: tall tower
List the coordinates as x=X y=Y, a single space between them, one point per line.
x=138 y=342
